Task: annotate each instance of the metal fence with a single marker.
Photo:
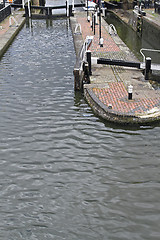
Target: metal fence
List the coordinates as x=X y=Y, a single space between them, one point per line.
x=5 y=12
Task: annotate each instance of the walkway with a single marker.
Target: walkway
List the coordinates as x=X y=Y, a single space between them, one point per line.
x=7 y=32
x=107 y=94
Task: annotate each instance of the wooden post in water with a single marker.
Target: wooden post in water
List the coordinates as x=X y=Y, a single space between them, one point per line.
x=50 y=11
x=76 y=79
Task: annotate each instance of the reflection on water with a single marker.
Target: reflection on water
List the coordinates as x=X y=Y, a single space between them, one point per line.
x=64 y=174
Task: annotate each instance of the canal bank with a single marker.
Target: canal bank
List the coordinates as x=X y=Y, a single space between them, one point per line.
x=9 y=28
x=149 y=24
x=107 y=92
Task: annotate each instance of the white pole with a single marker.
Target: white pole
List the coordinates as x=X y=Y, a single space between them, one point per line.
x=23 y=3
x=72 y=5
x=67 y=8
x=29 y=10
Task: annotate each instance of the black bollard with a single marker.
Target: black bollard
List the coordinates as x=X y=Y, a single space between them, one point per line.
x=70 y=10
x=130 y=90
x=147 y=68
x=89 y=62
x=50 y=11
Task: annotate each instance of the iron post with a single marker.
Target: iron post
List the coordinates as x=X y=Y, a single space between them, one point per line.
x=100 y=33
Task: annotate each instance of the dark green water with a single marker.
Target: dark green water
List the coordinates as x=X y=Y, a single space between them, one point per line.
x=64 y=174
x=132 y=40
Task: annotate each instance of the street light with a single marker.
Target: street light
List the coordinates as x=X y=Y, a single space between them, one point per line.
x=100 y=20
x=100 y=32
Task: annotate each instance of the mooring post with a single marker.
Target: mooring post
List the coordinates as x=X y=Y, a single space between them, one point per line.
x=76 y=79
x=70 y=10
x=130 y=91
x=46 y=11
x=101 y=42
x=89 y=61
x=26 y=11
x=147 y=68
x=50 y=11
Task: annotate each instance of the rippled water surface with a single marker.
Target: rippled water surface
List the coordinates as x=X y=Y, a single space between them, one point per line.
x=64 y=174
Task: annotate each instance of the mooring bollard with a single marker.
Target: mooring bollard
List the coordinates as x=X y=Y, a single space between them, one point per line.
x=101 y=42
x=147 y=68
x=89 y=62
x=130 y=90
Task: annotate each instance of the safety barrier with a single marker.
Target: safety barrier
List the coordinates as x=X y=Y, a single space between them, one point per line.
x=10 y=21
x=5 y=12
x=112 y=29
x=78 y=26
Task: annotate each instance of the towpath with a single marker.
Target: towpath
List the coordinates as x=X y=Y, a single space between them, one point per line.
x=8 y=32
x=107 y=92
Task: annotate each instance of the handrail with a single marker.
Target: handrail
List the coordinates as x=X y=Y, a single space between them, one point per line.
x=5 y=12
x=150 y=50
x=84 y=48
x=112 y=29
x=10 y=21
x=76 y=28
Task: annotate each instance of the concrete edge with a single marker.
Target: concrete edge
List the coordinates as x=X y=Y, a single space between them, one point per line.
x=107 y=114
x=13 y=33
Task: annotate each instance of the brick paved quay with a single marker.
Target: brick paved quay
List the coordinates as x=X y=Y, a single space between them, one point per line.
x=107 y=92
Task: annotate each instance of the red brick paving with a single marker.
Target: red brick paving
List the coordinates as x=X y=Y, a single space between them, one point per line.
x=117 y=96
x=109 y=44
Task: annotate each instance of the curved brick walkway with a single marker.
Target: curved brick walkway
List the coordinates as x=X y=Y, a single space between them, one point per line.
x=117 y=97
x=109 y=84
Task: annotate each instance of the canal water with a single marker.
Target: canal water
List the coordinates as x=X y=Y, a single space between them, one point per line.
x=64 y=173
x=132 y=40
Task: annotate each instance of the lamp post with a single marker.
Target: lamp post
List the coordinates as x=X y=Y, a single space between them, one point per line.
x=87 y=9
x=73 y=5
x=100 y=33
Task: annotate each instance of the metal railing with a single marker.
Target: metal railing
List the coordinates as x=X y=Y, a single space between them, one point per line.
x=147 y=50
x=112 y=29
x=82 y=54
x=5 y=12
x=154 y=65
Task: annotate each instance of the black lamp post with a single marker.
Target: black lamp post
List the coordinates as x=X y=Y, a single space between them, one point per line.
x=100 y=33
